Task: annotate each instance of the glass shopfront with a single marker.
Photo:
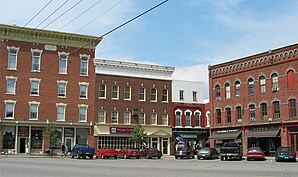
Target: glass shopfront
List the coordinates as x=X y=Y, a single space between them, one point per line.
x=8 y=135
x=82 y=136
x=36 y=139
x=293 y=134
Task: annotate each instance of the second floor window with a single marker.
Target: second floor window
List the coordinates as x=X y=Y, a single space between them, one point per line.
x=217 y=92
x=127 y=117
x=101 y=116
x=187 y=119
x=237 y=88
x=115 y=91
x=142 y=118
x=228 y=91
x=114 y=117
x=178 y=119
x=153 y=118
x=102 y=91
x=263 y=84
x=61 y=112
x=84 y=65
x=164 y=118
x=83 y=90
x=61 y=89
x=82 y=114
x=33 y=111
x=239 y=113
x=9 y=109
x=252 y=113
x=229 y=115
x=153 y=94
x=276 y=110
x=218 y=116
x=251 y=87
x=12 y=58
x=63 y=64
x=292 y=108
x=264 y=111
x=274 y=82
x=11 y=85
x=198 y=118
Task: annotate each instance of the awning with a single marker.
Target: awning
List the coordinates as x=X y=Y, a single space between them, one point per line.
x=262 y=133
x=225 y=136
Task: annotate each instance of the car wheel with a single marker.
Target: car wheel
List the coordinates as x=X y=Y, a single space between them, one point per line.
x=248 y=159
x=91 y=157
x=72 y=156
x=222 y=158
x=124 y=157
x=115 y=157
x=102 y=156
x=159 y=157
x=176 y=157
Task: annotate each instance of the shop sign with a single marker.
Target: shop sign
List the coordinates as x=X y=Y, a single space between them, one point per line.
x=263 y=128
x=227 y=131
x=23 y=131
x=117 y=130
x=68 y=132
x=188 y=136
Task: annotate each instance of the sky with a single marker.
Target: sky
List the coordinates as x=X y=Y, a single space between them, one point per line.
x=186 y=34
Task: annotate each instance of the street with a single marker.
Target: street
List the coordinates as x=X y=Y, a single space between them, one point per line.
x=165 y=167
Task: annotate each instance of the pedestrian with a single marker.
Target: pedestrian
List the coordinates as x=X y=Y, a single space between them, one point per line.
x=62 y=150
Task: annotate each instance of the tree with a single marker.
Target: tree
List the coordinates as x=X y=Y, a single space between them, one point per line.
x=52 y=135
x=139 y=135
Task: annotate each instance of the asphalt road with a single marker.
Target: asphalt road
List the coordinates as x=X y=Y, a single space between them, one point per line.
x=165 y=167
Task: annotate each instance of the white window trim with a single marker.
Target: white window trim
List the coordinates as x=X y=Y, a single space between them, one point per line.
x=62 y=82
x=200 y=114
x=13 y=48
x=37 y=111
x=105 y=97
x=117 y=97
x=61 y=104
x=144 y=94
x=38 y=90
x=156 y=95
x=190 y=114
x=40 y=52
x=88 y=58
x=129 y=113
x=155 y=118
x=167 y=119
x=14 y=106
x=128 y=99
x=15 y=85
x=86 y=116
x=112 y=117
x=144 y=118
x=87 y=88
x=104 y=119
x=178 y=110
x=66 y=67
x=167 y=95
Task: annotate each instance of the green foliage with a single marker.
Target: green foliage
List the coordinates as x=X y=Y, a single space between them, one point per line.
x=51 y=133
x=139 y=135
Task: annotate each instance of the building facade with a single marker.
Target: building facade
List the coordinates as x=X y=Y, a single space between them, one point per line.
x=47 y=78
x=189 y=114
x=253 y=100
x=128 y=94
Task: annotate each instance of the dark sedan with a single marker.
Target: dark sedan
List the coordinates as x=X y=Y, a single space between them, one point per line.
x=184 y=153
x=285 y=154
x=149 y=153
x=207 y=153
x=255 y=153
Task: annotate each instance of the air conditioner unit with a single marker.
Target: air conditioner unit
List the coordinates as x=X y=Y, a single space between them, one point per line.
x=276 y=116
x=275 y=89
x=218 y=98
x=270 y=119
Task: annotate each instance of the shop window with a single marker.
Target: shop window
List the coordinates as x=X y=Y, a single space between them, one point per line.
x=263 y=84
x=36 y=140
x=82 y=135
x=251 y=86
x=292 y=108
x=264 y=111
x=8 y=134
x=218 y=116
x=228 y=90
x=229 y=115
x=290 y=79
x=237 y=89
x=252 y=113
x=276 y=109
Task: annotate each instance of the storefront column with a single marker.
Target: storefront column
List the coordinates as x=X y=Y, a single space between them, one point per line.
x=75 y=136
x=244 y=143
x=1 y=139
x=17 y=140
x=29 y=141
x=62 y=138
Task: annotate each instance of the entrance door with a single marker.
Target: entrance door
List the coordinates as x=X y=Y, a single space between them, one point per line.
x=294 y=142
x=22 y=147
x=165 y=146
x=69 y=143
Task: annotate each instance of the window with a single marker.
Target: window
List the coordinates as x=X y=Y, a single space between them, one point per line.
x=141 y=118
x=115 y=92
x=127 y=117
x=61 y=112
x=36 y=59
x=12 y=57
x=290 y=79
x=84 y=65
x=228 y=91
x=127 y=92
x=198 y=118
x=194 y=96
x=237 y=88
x=251 y=86
x=264 y=111
x=263 y=84
x=62 y=88
x=276 y=110
x=142 y=92
x=187 y=118
x=153 y=118
x=178 y=118
x=292 y=108
x=101 y=116
x=181 y=94
x=164 y=118
x=11 y=85
x=83 y=90
x=218 y=116
x=217 y=92
x=102 y=91
x=114 y=117
x=9 y=109
x=239 y=113
x=34 y=89
x=252 y=113
x=274 y=82
x=63 y=63
x=153 y=95
x=83 y=113
x=164 y=95
x=228 y=115
x=33 y=114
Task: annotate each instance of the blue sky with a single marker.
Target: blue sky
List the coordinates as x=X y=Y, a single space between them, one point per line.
x=186 y=34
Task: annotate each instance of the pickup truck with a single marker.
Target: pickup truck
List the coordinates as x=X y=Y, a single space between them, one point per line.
x=106 y=152
x=82 y=150
x=231 y=150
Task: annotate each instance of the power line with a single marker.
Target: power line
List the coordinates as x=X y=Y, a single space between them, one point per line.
x=80 y=15
x=62 y=14
x=99 y=16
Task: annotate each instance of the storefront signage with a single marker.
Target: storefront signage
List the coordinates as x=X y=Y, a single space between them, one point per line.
x=68 y=132
x=227 y=131
x=117 y=130
x=50 y=47
x=188 y=136
x=23 y=131
x=263 y=128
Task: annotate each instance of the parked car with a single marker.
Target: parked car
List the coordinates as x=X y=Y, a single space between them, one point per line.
x=231 y=150
x=285 y=154
x=184 y=153
x=207 y=153
x=149 y=153
x=255 y=153
x=129 y=152
x=82 y=150
x=106 y=152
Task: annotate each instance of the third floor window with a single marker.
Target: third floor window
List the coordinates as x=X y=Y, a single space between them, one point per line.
x=63 y=63
x=251 y=86
x=292 y=108
x=263 y=84
x=84 y=65
x=12 y=57
x=36 y=59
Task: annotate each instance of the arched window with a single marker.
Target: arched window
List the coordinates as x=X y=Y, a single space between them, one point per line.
x=262 y=84
x=228 y=91
x=252 y=113
x=115 y=91
x=264 y=111
x=114 y=117
x=251 y=86
x=178 y=117
x=276 y=110
x=153 y=95
x=274 y=79
x=218 y=116
x=217 y=92
x=290 y=79
x=237 y=89
x=188 y=118
x=127 y=117
x=142 y=94
x=153 y=118
x=239 y=113
x=101 y=116
x=228 y=115
x=198 y=118
x=292 y=108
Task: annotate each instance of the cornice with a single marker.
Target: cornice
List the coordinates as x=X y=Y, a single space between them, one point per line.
x=16 y=33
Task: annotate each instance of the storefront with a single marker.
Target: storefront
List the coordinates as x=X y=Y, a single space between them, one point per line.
x=293 y=137
x=118 y=137
x=227 y=135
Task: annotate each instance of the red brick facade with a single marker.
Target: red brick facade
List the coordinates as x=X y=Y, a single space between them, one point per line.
x=262 y=80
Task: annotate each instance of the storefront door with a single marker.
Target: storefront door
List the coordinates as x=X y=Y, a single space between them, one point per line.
x=69 y=143
x=294 y=141
x=22 y=146
x=165 y=146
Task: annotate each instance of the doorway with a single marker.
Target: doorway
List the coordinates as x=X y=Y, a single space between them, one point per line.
x=68 y=143
x=165 y=146
x=23 y=143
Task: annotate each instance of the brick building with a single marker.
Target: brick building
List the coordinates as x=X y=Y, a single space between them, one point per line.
x=128 y=94
x=253 y=100
x=189 y=114
x=46 y=78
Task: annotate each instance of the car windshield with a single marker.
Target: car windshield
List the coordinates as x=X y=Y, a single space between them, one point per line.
x=205 y=150
x=255 y=150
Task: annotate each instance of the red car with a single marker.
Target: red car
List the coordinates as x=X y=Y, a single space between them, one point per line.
x=129 y=152
x=254 y=153
x=106 y=152
x=149 y=153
